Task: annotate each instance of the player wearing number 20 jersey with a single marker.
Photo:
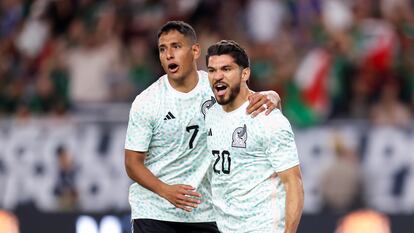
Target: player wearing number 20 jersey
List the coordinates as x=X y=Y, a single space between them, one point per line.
x=246 y=154
x=256 y=181
x=170 y=126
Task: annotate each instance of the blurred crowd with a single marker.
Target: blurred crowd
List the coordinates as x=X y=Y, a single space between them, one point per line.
x=328 y=59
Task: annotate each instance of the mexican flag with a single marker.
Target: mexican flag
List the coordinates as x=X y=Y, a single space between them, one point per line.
x=307 y=99
x=376 y=45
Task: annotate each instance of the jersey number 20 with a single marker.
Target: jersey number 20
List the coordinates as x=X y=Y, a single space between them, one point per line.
x=225 y=161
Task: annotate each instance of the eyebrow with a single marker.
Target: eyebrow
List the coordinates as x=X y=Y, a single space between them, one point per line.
x=219 y=68
x=171 y=44
x=226 y=66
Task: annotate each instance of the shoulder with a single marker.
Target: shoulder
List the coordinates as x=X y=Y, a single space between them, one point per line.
x=275 y=121
x=213 y=111
x=202 y=74
x=149 y=96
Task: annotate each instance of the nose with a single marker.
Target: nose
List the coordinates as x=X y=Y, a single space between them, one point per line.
x=218 y=75
x=170 y=54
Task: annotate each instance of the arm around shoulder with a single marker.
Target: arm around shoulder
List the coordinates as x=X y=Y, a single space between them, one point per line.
x=263 y=101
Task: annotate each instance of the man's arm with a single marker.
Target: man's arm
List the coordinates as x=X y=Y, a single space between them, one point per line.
x=181 y=196
x=263 y=101
x=292 y=181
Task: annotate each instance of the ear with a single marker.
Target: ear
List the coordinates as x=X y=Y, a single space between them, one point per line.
x=245 y=74
x=196 y=50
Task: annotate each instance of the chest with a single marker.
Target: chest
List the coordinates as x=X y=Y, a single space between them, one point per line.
x=181 y=119
x=235 y=144
x=240 y=135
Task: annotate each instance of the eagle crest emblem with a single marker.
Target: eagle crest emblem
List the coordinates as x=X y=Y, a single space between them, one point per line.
x=207 y=105
x=239 y=137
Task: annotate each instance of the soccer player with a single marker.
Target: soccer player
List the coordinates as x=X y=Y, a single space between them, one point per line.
x=256 y=181
x=166 y=145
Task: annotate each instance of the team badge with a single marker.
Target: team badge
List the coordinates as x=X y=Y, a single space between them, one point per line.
x=206 y=105
x=239 y=137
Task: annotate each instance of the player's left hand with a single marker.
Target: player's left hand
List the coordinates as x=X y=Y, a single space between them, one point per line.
x=263 y=101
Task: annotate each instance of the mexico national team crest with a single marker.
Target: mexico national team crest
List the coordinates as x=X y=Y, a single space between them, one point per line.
x=206 y=105
x=239 y=137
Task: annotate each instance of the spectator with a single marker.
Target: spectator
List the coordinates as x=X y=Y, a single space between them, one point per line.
x=65 y=187
x=11 y=12
x=340 y=182
x=89 y=63
x=141 y=69
x=389 y=110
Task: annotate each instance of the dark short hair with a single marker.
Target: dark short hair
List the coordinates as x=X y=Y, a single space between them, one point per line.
x=229 y=47
x=181 y=27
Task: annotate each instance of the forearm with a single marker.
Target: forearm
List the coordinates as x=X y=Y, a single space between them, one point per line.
x=294 y=205
x=139 y=173
x=180 y=195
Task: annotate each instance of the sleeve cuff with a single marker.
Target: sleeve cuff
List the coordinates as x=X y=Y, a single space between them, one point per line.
x=287 y=166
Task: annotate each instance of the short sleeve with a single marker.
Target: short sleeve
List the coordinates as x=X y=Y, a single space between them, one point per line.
x=140 y=126
x=280 y=142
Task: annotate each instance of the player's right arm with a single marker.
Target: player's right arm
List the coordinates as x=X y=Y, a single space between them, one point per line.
x=180 y=195
x=292 y=182
x=283 y=156
x=142 y=120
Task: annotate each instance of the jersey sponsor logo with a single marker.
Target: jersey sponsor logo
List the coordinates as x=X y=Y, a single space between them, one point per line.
x=207 y=105
x=239 y=137
x=169 y=116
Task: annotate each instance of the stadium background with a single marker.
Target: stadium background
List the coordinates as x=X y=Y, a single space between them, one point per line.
x=69 y=70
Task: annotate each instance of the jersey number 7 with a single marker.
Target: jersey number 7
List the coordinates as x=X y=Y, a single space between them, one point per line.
x=194 y=135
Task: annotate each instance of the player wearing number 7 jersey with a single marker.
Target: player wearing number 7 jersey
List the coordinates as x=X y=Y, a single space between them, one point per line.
x=256 y=181
x=166 y=146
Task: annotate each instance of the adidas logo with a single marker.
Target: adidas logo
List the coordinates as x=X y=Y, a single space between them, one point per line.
x=169 y=116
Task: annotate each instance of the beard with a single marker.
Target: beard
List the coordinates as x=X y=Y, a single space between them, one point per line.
x=234 y=92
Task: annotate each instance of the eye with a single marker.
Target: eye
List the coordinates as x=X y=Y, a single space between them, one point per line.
x=176 y=46
x=161 y=50
x=210 y=70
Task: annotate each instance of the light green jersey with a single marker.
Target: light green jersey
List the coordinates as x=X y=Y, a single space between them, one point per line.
x=170 y=126
x=247 y=153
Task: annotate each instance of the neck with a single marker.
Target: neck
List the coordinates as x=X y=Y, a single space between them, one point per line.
x=240 y=99
x=185 y=84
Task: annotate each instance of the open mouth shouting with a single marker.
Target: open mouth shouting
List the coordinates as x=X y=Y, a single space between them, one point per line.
x=173 y=67
x=220 y=89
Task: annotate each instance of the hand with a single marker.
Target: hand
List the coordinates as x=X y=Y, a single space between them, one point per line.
x=181 y=196
x=261 y=101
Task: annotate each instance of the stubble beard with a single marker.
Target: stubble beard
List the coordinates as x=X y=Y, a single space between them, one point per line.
x=234 y=91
